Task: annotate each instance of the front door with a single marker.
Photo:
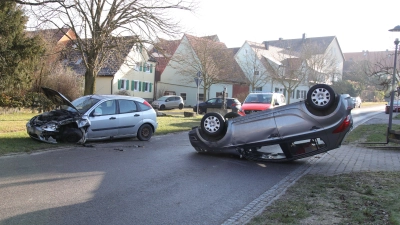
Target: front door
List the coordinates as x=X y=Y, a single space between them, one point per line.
x=104 y=121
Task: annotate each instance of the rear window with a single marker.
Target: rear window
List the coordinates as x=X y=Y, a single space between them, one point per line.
x=143 y=107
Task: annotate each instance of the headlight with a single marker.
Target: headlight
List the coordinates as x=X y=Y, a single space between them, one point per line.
x=50 y=126
x=83 y=123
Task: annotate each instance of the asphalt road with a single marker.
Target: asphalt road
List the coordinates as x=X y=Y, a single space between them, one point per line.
x=163 y=181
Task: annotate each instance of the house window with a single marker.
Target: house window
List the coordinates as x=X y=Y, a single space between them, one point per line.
x=183 y=95
x=146 y=68
x=201 y=97
x=301 y=94
x=135 y=85
x=256 y=72
x=146 y=87
x=124 y=84
x=258 y=89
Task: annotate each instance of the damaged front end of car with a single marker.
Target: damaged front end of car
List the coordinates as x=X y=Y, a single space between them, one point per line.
x=64 y=124
x=58 y=126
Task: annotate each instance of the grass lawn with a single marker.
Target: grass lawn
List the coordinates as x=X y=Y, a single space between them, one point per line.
x=14 y=139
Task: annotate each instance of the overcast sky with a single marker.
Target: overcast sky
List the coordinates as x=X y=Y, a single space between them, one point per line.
x=358 y=25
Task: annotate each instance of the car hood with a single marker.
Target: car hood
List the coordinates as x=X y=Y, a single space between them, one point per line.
x=255 y=106
x=57 y=98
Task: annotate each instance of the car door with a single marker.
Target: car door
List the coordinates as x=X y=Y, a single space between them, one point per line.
x=104 y=121
x=169 y=102
x=129 y=118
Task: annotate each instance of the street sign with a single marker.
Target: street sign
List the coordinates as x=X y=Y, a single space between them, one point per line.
x=198 y=81
x=199 y=74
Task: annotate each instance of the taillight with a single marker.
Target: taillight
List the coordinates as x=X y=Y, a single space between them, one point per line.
x=148 y=104
x=343 y=126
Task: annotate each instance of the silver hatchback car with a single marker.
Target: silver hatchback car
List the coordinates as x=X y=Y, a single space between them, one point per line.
x=169 y=102
x=93 y=117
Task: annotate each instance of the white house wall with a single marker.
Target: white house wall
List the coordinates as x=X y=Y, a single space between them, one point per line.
x=172 y=80
x=129 y=72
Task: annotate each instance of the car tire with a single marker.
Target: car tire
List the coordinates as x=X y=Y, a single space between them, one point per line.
x=180 y=106
x=72 y=135
x=231 y=115
x=145 y=132
x=212 y=124
x=320 y=97
x=162 y=107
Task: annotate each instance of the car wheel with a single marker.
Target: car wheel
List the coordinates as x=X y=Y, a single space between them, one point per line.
x=162 y=107
x=320 y=96
x=231 y=115
x=145 y=132
x=180 y=106
x=72 y=135
x=212 y=124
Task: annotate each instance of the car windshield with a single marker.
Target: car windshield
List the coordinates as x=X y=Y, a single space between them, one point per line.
x=162 y=98
x=258 y=98
x=83 y=104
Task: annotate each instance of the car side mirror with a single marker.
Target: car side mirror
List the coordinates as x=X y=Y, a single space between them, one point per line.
x=96 y=114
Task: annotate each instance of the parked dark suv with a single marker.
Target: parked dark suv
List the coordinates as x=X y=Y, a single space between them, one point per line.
x=231 y=103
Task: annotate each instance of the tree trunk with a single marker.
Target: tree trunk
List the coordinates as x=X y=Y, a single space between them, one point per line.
x=90 y=83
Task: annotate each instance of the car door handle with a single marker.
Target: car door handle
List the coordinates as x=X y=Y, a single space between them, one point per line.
x=113 y=118
x=315 y=128
x=136 y=115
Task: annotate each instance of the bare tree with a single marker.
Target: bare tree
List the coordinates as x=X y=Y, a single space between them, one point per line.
x=322 y=66
x=210 y=59
x=99 y=24
x=34 y=2
x=253 y=67
x=287 y=69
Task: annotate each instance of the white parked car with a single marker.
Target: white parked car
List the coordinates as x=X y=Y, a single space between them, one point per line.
x=169 y=102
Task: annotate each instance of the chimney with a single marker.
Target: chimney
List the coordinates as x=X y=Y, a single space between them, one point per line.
x=280 y=39
x=266 y=45
x=304 y=36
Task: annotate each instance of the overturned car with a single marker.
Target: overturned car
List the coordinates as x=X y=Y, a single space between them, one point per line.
x=301 y=129
x=93 y=117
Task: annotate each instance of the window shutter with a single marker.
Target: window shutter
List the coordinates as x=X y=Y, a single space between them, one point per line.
x=141 y=67
x=144 y=85
x=298 y=94
x=140 y=85
x=132 y=85
x=119 y=84
x=151 y=68
x=127 y=85
x=151 y=85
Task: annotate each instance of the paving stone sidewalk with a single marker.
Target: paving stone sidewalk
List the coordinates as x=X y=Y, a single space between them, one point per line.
x=346 y=159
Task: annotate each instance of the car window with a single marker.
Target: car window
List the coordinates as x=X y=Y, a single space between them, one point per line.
x=107 y=107
x=219 y=100
x=143 y=107
x=127 y=106
x=213 y=100
x=84 y=103
x=162 y=98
